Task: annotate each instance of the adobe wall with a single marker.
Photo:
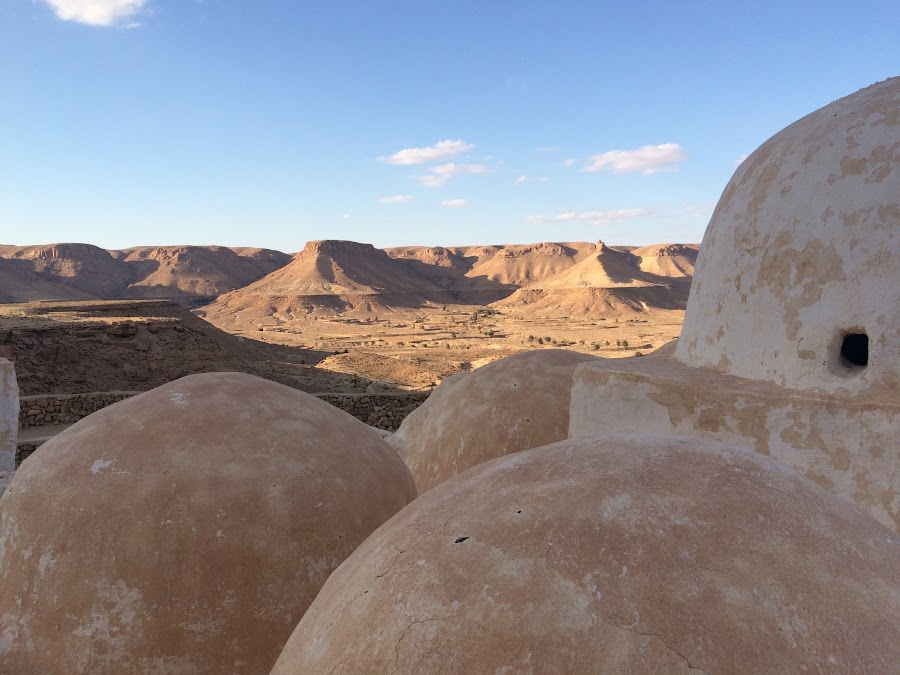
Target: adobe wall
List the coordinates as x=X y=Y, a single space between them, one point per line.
x=9 y=413
x=847 y=445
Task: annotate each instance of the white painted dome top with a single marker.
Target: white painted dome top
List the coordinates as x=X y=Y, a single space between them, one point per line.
x=798 y=278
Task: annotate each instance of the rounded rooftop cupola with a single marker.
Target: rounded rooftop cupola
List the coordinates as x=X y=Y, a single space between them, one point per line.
x=797 y=280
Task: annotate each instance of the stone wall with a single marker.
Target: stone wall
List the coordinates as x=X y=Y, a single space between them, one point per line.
x=9 y=411
x=42 y=410
x=385 y=411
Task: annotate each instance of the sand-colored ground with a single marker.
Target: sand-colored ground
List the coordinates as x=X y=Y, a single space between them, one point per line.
x=421 y=348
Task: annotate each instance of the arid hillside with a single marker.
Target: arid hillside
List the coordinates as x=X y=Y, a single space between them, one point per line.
x=335 y=278
x=79 y=346
x=405 y=317
x=411 y=316
x=194 y=274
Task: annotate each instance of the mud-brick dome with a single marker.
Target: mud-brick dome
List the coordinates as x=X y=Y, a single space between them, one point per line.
x=187 y=529
x=798 y=278
x=614 y=555
x=512 y=404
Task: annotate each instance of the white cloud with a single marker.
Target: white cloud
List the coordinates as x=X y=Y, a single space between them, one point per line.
x=648 y=159
x=96 y=12
x=568 y=163
x=593 y=217
x=454 y=169
x=454 y=203
x=433 y=181
x=441 y=174
x=438 y=152
x=740 y=160
x=396 y=199
x=525 y=179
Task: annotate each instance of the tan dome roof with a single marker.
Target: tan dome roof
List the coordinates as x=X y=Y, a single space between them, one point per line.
x=187 y=529
x=625 y=555
x=513 y=404
x=798 y=278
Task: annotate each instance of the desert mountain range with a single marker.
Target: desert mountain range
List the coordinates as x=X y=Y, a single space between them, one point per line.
x=86 y=272
x=347 y=277
x=572 y=277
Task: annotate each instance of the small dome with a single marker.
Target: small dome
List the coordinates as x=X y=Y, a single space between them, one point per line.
x=187 y=529
x=798 y=278
x=513 y=404
x=621 y=555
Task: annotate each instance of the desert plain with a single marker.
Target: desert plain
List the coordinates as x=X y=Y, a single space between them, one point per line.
x=337 y=316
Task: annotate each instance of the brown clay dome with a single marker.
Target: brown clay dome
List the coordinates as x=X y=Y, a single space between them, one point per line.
x=613 y=555
x=513 y=404
x=187 y=529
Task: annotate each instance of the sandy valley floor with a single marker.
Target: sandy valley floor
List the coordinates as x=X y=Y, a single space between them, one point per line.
x=417 y=350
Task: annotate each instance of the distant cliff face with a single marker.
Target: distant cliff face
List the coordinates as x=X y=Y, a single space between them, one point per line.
x=338 y=276
x=341 y=276
x=86 y=272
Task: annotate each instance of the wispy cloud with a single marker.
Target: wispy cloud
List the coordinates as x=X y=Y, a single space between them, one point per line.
x=97 y=12
x=521 y=180
x=396 y=199
x=647 y=160
x=454 y=203
x=439 y=152
x=442 y=173
x=740 y=160
x=695 y=209
x=593 y=217
x=568 y=163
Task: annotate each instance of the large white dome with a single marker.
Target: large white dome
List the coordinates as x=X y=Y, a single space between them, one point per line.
x=798 y=279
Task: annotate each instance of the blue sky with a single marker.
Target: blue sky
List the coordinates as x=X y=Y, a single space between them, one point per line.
x=144 y=122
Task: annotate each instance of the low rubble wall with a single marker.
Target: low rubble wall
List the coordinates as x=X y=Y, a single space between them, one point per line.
x=385 y=411
x=46 y=409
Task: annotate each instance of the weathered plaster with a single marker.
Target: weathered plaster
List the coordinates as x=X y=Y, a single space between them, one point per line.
x=9 y=421
x=845 y=444
x=802 y=248
x=614 y=554
x=800 y=251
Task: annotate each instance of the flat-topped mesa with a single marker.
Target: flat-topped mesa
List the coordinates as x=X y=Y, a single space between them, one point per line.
x=62 y=251
x=435 y=256
x=666 y=250
x=338 y=246
x=543 y=248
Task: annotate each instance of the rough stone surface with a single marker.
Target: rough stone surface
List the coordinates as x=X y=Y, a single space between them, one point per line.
x=9 y=414
x=187 y=529
x=385 y=411
x=802 y=249
x=620 y=555
x=50 y=409
x=47 y=409
x=513 y=404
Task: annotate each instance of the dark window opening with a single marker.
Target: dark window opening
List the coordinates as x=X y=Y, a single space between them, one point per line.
x=855 y=350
